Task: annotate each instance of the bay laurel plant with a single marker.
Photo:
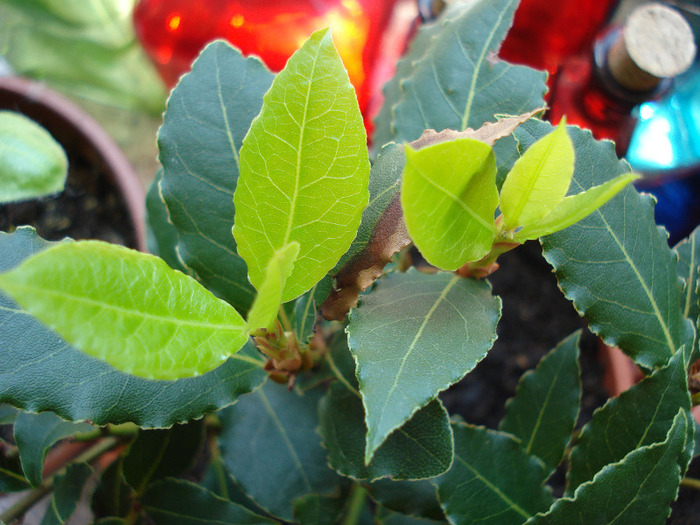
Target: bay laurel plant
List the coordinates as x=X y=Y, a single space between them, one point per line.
x=279 y=330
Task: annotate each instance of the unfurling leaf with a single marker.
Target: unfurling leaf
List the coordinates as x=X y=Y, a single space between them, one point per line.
x=539 y=180
x=449 y=197
x=304 y=169
x=128 y=309
x=574 y=208
x=264 y=310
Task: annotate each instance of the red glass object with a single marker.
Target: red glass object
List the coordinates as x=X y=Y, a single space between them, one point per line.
x=173 y=32
x=545 y=33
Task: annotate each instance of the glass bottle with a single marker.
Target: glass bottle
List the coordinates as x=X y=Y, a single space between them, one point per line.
x=173 y=32
x=631 y=63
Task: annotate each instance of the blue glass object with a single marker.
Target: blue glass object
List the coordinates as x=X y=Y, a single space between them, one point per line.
x=665 y=148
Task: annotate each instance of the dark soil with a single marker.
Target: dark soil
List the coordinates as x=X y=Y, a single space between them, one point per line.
x=90 y=207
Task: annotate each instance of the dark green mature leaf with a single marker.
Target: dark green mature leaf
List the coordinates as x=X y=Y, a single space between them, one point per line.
x=407 y=324
x=492 y=480
x=209 y=113
x=12 y=482
x=615 y=265
x=304 y=169
x=35 y=433
x=161 y=235
x=688 y=253
x=218 y=480
x=178 y=502
x=421 y=448
x=112 y=497
x=640 y=416
x=394 y=518
x=459 y=82
x=638 y=489
x=66 y=494
x=39 y=371
x=383 y=124
x=416 y=498
x=318 y=510
x=32 y=163
x=8 y=414
x=270 y=446
x=543 y=412
x=127 y=308
x=156 y=454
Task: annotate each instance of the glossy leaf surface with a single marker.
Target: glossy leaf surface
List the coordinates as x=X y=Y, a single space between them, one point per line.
x=640 y=416
x=688 y=253
x=39 y=371
x=66 y=495
x=449 y=198
x=128 y=309
x=32 y=163
x=263 y=313
x=420 y=449
x=407 y=324
x=162 y=236
x=156 y=454
x=208 y=115
x=539 y=179
x=35 y=433
x=459 y=83
x=574 y=208
x=304 y=169
x=615 y=265
x=544 y=410
x=644 y=483
x=492 y=480
x=270 y=446
x=416 y=498
x=179 y=502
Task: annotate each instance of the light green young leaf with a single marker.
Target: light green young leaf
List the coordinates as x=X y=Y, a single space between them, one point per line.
x=32 y=163
x=35 y=433
x=543 y=412
x=128 y=309
x=269 y=299
x=414 y=336
x=39 y=371
x=449 y=197
x=637 y=489
x=539 y=179
x=304 y=169
x=574 y=208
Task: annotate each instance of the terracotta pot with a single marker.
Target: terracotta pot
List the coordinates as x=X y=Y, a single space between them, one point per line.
x=75 y=130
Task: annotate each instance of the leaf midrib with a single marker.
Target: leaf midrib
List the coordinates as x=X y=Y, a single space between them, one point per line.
x=126 y=311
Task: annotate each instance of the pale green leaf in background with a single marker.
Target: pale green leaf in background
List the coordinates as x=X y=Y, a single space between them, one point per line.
x=539 y=180
x=304 y=169
x=35 y=433
x=449 y=197
x=543 y=413
x=492 y=480
x=39 y=371
x=208 y=115
x=574 y=208
x=32 y=163
x=87 y=49
x=128 y=309
x=637 y=489
x=414 y=336
x=269 y=299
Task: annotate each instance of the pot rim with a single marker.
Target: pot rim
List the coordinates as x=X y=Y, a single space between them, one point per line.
x=44 y=100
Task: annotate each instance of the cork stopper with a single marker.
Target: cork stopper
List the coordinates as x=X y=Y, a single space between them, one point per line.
x=656 y=43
